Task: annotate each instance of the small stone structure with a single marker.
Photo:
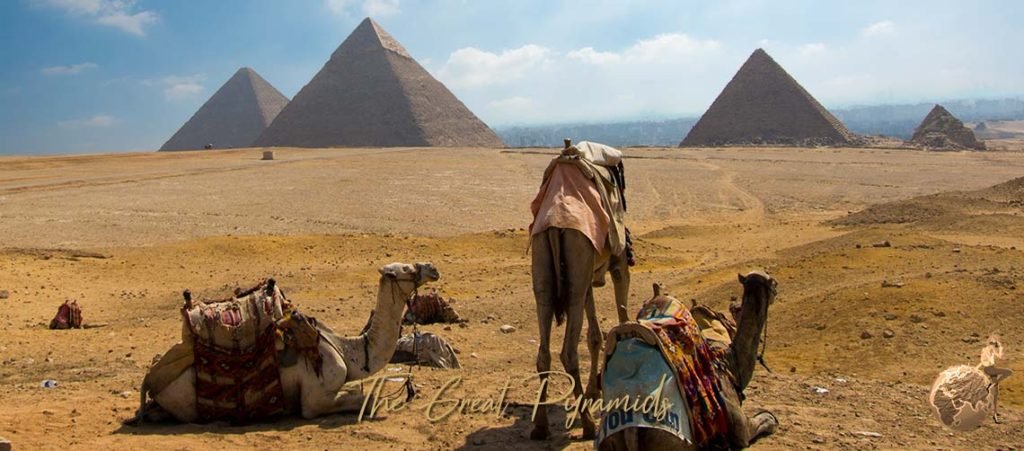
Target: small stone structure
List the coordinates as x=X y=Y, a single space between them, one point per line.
x=940 y=130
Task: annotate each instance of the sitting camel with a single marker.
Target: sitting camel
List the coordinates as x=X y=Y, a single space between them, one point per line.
x=315 y=386
x=577 y=236
x=726 y=368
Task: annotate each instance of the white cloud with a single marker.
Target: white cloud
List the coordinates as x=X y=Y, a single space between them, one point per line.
x=178 y=87
x=118 y=14
x=812 y=49
x=372 y=8
x=472 y=67
x=536 y=84
x=339 y=7
x=97 y=121
x=590 y=56
x=381 y=8
x=667 y=46
x=661 y=48
x=129 y=23
x=67 y=70
x=878 y=29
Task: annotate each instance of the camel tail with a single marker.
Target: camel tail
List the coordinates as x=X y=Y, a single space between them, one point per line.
x=139 y=414
x=560 y=306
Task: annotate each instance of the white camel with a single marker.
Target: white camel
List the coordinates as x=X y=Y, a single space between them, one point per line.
x=345 y=359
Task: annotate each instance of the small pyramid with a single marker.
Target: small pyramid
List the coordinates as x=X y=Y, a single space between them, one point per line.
x=763 y=104
x=372 y=93
x=233 y=117
x=940 y=130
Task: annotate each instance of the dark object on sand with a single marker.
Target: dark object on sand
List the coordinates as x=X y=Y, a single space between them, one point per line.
x=69 y=316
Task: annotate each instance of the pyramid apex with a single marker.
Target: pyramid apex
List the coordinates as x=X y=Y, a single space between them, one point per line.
x=370 y=33
x=760 y=54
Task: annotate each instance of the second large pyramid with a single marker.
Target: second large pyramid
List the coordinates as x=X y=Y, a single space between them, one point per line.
x=371 y=93
x=763 y=104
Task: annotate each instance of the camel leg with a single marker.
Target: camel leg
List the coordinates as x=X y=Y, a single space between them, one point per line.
x=348 y=400
x=743 y=430
x=318 y=400
x=594 y=339
x=620 y=278
x=578 y=254
x=544 y=292
x=762 y=424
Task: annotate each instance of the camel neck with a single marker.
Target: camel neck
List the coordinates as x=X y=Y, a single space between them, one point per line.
x=748 y=335
x=377 y=343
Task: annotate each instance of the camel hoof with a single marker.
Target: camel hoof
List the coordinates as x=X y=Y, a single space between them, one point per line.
x=539 y=433
x=766 y=423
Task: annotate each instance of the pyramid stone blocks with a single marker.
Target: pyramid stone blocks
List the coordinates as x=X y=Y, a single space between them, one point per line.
x=372 y=93
x=233 y=117
x=763 y=104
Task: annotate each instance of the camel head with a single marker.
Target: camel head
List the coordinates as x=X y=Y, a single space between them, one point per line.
x=761 y=283
x=410 y=276
x=755 y=283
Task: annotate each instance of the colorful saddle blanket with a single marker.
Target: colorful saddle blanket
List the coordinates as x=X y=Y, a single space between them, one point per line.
x=666 y=323
x=238 y=385
x=235 y=355
x=69 y=316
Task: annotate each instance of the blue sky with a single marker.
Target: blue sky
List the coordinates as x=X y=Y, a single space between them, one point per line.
x=115 y=75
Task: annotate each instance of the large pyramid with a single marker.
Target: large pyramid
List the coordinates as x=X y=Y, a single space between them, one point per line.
x=940 y=130
x=763 y=104
x=233 y=117
x=371 y=93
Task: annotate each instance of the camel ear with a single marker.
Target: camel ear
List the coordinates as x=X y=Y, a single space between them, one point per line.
x=743 y=279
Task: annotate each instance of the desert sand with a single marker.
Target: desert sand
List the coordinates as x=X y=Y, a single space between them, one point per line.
x=126 y=233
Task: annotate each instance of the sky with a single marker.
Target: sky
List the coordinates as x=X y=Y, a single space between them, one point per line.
x=81 y=76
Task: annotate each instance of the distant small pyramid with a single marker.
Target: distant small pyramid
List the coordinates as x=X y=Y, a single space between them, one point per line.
x=940 y=130
x=371 y=93
x=763 y=104
x=233 y=117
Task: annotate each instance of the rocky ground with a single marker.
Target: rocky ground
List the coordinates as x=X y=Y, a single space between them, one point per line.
x=869 y=322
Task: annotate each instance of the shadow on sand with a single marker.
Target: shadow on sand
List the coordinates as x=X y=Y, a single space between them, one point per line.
x=517 y=435
x=282 y=424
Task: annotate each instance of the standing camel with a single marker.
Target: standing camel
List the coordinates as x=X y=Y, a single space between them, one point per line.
x=572 y=245
x=733 y=371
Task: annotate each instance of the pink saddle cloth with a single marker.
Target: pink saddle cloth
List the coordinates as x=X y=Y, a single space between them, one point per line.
x=568 y=199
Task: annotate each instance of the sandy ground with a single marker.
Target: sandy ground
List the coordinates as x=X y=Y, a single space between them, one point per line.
x=124 y=234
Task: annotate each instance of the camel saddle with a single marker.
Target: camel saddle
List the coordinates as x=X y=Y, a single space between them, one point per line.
x=69 y=316
x=237 y=346
x=665 y=324
x=607 y=180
